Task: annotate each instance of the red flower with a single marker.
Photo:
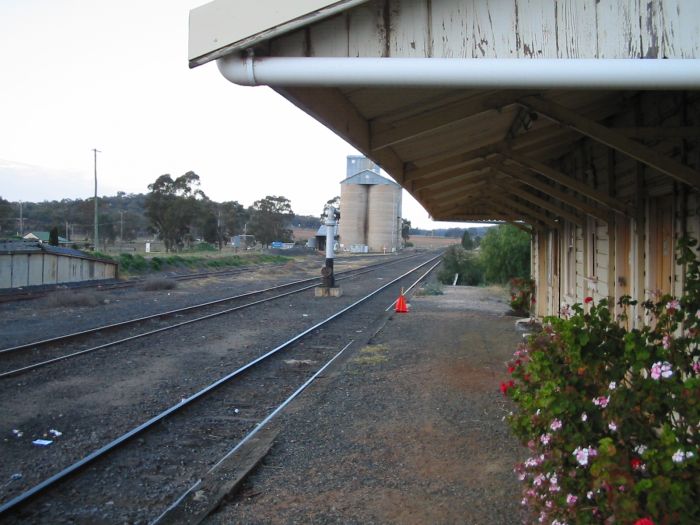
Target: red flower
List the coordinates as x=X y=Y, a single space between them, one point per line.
x=511 y=369
x=644 y=521
x=635 y=463
x=588 y=300
x=533 y=300
x=507 y=386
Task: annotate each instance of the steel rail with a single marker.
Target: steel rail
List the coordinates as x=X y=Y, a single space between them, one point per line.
x=64 y=473
x=252 y=433
x=415 y=284
x=34 y=366
x=272 y=414
x=120 y=324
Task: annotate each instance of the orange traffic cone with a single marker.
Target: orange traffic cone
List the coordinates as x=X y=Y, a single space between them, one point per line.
x=401 y=306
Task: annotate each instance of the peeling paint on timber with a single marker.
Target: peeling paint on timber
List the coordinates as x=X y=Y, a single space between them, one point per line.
x=516 y=29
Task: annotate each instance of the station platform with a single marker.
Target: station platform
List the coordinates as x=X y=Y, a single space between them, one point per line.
x=407 y=428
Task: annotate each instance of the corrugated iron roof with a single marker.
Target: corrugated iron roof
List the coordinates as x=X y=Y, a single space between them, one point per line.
x=28 y=247
x=368 y=177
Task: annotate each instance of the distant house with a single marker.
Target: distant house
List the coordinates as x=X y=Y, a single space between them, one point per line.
x=44 y=237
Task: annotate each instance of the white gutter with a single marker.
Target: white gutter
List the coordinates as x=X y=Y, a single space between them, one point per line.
x=482 y=73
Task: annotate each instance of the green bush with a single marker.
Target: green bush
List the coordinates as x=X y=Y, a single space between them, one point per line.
x=522 y=294
x=610 y=415
x=505 y=253
x=132 y=263
x=203 y=247
x=459 y=261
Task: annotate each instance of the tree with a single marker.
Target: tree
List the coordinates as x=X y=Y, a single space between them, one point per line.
x=467 y=242
x=505 y=253
x=234 y=218
x=6 y=216
x=335 y=202
x=172 y=206
x=405 y=229
x=53 y=236
x=269 y=218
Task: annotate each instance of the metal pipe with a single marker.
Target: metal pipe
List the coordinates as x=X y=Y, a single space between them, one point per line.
x=482 y=73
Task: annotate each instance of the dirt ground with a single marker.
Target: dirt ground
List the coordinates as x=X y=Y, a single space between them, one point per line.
x=406 y=429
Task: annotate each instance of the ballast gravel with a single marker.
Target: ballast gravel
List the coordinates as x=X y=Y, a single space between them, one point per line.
x=409 y=428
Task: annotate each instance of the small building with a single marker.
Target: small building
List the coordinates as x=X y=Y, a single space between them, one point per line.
x=320 y=238
x=35 y=263
x=44 y=238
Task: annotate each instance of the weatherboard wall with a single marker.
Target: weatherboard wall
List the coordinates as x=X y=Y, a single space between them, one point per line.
x=38 y=268
x=503 y=29
x=628 y=255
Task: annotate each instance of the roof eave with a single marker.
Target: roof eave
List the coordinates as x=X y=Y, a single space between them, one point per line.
x=217 y=48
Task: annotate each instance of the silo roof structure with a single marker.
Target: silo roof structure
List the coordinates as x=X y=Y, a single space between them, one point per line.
x=367 y=177
x=370 y=212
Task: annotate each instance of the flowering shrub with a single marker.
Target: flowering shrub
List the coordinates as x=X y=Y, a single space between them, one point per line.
x=612 y=416
x=522 y=293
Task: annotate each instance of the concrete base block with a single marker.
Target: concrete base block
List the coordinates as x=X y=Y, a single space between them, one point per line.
x=324 y=291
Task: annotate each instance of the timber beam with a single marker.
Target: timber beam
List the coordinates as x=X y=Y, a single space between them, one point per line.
x=390 y=133
x=332 y=109
x=528 y=178
x=449 y=176
x=569 y=182
x=524 y=209
x=551 y=207
x=613 y=139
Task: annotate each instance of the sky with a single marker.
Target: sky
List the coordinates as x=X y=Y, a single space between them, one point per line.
x=113 y=76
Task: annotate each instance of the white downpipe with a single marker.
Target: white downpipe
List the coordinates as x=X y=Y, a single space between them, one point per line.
x=482 y=73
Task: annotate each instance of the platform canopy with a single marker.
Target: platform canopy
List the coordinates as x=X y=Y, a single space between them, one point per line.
x=471 y=105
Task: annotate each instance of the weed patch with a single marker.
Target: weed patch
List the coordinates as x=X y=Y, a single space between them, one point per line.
x=67 y=298
x=152 y=285
x=372 y=355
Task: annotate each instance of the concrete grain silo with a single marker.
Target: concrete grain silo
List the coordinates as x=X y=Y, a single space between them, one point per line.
x=384 y=232
x=370 y=209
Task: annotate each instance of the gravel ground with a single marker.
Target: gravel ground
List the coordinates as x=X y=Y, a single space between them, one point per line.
x=406 y=429
x=96 y=397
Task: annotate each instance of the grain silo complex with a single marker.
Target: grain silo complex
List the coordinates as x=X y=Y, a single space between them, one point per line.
x=370 y=209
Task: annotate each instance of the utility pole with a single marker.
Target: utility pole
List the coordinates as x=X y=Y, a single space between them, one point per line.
x=96 y=233
x=121 y=225
x=67 y=236
x=219 y=237
x=21 y=220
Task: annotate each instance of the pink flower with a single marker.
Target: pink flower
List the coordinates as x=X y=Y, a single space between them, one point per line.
x=644 y=521
x=601 y=401
x=545 y=439
x=666 y=342
x=673 y=306
x=612 y=426
x=696 y=367
x=556 y=424
x=660 y=370
x=571 y=499
x=582 y=455
x=584 y=417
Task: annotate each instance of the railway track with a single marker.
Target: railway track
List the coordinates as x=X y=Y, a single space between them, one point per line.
x=35 y=292
x=180 y=429
x=23 y=358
